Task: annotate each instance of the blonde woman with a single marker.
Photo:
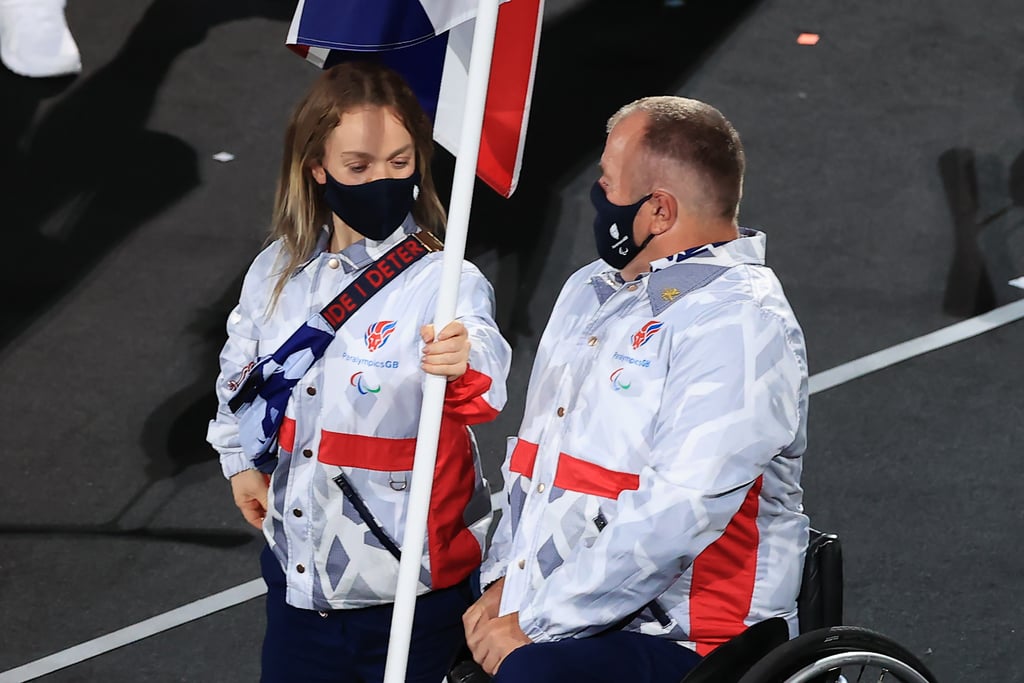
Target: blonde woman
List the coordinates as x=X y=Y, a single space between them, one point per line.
x=321 y=386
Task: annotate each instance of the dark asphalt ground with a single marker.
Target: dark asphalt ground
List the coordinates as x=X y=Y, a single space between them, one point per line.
x=885 y=164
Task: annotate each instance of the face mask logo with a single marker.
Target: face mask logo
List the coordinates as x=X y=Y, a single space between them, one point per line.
x=374 y=209
x=613 y=229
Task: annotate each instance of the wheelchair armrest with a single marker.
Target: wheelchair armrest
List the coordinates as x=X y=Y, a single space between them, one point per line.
x=729 y=661
x=820 y=602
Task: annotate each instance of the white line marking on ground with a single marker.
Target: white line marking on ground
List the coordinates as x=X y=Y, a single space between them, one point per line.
x=1017 y=282
x=130 y=634
x=916 y=347
x=255 y=588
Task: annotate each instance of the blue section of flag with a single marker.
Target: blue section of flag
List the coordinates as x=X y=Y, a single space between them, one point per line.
x=261 y=400
x=421 y=65
x=365 y=26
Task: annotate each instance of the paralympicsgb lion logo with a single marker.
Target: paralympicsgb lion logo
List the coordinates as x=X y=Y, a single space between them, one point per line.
x=377 y=334
x=644 y=334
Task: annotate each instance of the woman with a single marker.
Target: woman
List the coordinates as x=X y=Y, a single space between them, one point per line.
x=351 y=250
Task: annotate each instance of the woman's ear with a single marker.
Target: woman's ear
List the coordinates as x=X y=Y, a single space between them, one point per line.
x=319 y=174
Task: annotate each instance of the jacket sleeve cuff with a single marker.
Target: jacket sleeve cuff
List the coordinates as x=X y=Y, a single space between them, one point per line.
x=464 y=398
x=529 y=626
x=233 y=462
x=491 y=572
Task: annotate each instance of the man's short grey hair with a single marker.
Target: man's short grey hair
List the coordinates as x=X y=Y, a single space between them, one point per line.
x=695 y=135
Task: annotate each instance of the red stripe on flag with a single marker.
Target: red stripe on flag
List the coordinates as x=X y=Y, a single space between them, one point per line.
x=508 y=94
x=722 y=585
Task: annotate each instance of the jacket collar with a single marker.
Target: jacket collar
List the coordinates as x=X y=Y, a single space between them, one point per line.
x=362 y=253
x=673 y=277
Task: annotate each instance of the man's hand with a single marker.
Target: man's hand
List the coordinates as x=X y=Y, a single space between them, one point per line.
x=249 y=488
x=449 y=355
x=495 y=639
x=484 y=609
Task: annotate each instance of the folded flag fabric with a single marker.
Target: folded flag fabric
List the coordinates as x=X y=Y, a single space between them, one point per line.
x=261 y=399
x=429 y=43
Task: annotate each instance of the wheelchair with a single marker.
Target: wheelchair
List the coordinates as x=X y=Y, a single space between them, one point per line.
x=824 y=652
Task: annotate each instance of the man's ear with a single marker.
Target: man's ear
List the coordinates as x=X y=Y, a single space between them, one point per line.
x=664 y=211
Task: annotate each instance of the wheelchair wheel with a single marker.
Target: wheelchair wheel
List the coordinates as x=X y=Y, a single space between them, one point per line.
x=840 y=654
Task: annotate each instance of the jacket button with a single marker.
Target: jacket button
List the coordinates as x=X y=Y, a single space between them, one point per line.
x=560 y=411
x=300 y=569
x=307 y=453
x=333 y=263
x=297 y=512
x=540 y=488
x=632 y=288
x=311 y=391
x=592 y=341
x=522 y=564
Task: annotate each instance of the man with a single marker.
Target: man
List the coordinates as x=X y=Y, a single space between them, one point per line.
x=654 y=505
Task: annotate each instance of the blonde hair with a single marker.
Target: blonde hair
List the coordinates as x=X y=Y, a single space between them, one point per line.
x=299 y=206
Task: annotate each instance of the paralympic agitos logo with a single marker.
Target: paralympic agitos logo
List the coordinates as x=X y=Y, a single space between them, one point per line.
x=619 y=383
x=364 y=387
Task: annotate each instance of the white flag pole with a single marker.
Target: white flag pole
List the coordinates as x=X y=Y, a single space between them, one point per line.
x=434 y=387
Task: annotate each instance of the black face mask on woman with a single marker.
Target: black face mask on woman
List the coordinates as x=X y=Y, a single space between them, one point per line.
x=613 y=229
x=374 y=209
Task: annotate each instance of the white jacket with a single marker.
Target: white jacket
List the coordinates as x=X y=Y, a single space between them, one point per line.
x=655 y=482
x=356 y=413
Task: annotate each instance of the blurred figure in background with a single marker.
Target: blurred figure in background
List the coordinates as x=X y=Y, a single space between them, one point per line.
x=35 y=40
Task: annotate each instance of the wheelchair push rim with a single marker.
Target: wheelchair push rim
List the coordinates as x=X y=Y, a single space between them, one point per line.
x=840 y=654
x=832 y=667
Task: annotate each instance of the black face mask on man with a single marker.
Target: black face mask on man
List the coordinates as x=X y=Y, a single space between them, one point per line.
x=374 y=209
x=613 y=229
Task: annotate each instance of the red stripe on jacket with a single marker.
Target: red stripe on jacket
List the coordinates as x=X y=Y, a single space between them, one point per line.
x=722 y=584
x=573 y=474
x=454 y=474
x=454 y=551
x=286 y=435
x=524 y=455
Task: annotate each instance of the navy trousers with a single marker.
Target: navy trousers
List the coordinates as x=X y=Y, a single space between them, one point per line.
x=611 y=657
x=350 y=646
